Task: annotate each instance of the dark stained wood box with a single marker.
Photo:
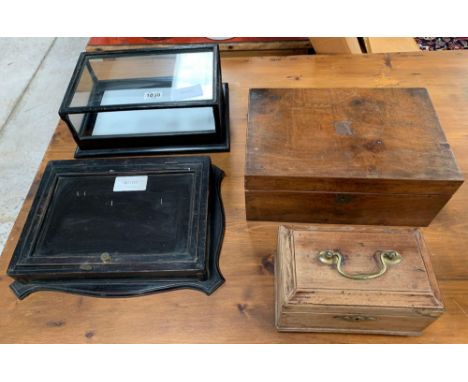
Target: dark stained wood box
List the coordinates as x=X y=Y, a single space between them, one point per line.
x=312 y=296
x=122 y=227
x=357 y=156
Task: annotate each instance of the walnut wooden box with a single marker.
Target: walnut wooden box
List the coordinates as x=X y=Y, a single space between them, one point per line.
x=353 y=156
x=312 y=296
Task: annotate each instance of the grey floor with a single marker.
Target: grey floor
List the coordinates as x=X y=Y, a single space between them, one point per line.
x=34 y=74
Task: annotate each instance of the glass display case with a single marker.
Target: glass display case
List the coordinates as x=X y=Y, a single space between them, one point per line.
x=148 y=100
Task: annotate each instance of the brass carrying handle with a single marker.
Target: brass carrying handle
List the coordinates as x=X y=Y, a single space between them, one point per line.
x=388 y=257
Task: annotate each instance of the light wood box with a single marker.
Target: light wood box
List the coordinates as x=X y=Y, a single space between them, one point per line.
x=312 y=296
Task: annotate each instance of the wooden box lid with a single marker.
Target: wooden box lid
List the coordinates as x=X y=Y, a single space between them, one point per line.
x=376 y=140
x=406 y=293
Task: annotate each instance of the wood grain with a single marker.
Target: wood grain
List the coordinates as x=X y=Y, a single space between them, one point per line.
x=344 y=208
x=242 y=310
x=311 y=296
x=335 y=45
x=233 y=49
x=390 y=44
x=352 y=133
x=389 y=141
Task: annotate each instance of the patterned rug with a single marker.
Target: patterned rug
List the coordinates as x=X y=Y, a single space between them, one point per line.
x=442 y=43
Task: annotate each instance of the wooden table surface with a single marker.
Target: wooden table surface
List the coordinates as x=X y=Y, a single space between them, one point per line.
x=242 y=310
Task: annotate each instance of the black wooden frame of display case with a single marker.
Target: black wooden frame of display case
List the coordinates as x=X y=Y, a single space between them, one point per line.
x=141 y=144
x=130 y=282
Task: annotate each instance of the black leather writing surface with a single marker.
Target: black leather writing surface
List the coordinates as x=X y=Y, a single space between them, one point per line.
x=97 y=219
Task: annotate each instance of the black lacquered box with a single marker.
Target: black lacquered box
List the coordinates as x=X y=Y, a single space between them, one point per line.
x=148 y=101
x=119 y=227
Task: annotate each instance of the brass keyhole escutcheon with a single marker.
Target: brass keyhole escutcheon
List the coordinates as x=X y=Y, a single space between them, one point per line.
x=385 y=258
x=106 y=257
x=355 y=318
x=343 y=198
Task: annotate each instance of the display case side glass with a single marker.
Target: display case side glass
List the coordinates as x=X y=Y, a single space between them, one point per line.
x=151 y=122
x=123 y=80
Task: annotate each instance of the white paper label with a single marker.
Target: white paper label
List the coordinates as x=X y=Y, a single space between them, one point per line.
x=152 y=95
x=130 y=183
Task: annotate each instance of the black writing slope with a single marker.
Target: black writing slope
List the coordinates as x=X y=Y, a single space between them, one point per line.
x=122 y=227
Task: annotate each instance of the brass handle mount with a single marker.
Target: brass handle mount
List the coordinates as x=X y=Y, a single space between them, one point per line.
x=385 y=258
